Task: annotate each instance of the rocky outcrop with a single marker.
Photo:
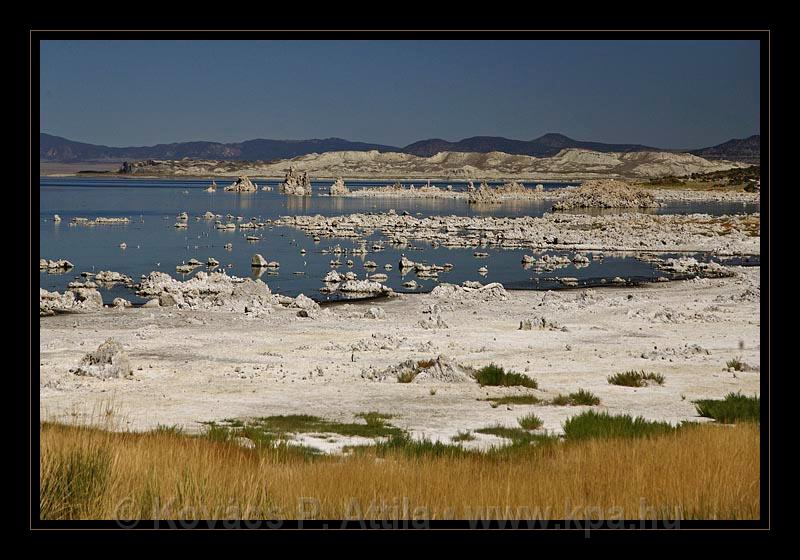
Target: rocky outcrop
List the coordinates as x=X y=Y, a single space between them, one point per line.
x=296 y=183
x=470 y=291
x=606 y=193
x=109 y=361
x=338 y=188
x=512 y=190
x=74 y=300
x=242 y=184
x=111 y=277
x=121 y=303
x=375 y=313
x=258 y=261
x=364 y=287
x=440 y=369
x=216 y=291
x=100 y=221
x=60 y=264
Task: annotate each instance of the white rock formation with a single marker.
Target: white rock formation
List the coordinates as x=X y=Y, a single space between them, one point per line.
x=242 y=184
x=338 y=187
x=295 y=183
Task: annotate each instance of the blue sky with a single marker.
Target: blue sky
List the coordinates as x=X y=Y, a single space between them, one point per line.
x=672 y=94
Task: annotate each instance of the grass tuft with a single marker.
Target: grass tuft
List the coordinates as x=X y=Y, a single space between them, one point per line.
x=732 y=408
x=735 y=364
x=579 y=398
x=73 y=482
x=530 y=422
x=495 y=375
x=636 y=378
x=465 y=435
x=407 y=376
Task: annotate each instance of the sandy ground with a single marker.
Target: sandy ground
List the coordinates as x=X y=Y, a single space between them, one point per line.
x=194 y=366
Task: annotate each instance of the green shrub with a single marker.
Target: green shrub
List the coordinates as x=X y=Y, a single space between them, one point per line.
x=495 y=375
x=580 y=397
x=407 y=376
x=735 y=364
x=530 y=422
x=636 y=378
x=583 y=397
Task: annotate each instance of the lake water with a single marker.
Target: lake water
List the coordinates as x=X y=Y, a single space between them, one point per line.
x=154 y=244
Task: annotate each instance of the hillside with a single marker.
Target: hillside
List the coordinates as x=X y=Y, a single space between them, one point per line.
x=55 y=148
x=567 y=164
x=545 y=146
x=739 y=149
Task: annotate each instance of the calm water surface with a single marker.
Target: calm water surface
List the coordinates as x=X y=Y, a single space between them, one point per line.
x=154 y=244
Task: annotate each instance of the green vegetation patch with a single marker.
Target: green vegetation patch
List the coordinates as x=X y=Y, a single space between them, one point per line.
x=272 y=431
x=578 y=398
x=734 y=407
x=515 y=399
x=636 y=378
x=530 y=422
x=465 y=435
x=592 y=424
x=495 y=375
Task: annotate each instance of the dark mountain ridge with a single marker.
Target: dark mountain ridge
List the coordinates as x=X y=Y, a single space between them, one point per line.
x=58 y=149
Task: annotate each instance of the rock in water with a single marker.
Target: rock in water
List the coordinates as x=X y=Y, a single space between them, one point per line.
x=108 y=361
x=242 y=184
x=338 y=188
x=258 y=261
x=295 y=183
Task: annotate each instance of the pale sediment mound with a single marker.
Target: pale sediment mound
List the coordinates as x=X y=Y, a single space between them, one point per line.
x=471 y=291
x=606 y=193
x=296 y=183
x=438 y=370
x=77 y=299
x=242 y=184
x=109 y=361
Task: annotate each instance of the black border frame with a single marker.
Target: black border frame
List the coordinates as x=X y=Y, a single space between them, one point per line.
x=27 y=67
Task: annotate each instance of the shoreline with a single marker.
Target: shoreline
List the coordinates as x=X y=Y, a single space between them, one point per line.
x=216 y=365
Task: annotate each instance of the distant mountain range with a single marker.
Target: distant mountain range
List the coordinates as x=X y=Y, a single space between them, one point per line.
x=58 y=149
x=747 y=150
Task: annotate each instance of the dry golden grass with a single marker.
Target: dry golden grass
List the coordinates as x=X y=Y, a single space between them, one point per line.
x=704 y=471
